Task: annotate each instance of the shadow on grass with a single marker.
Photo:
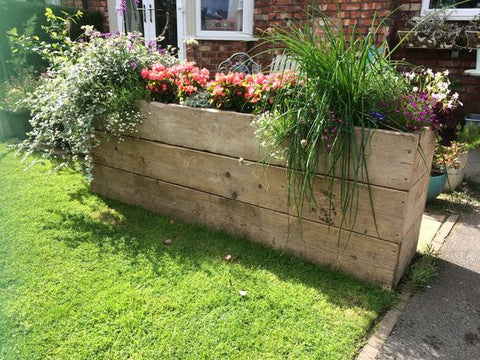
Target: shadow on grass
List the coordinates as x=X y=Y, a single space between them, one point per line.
x=133 y=232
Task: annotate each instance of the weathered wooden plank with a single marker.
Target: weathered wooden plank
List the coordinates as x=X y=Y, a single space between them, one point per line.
x=391 y=156
x=407 y=250
x=255 y=184
x=364 y=256
x=222 y=132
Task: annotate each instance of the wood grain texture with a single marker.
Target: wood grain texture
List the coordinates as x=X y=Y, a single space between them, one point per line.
x=407 y=251
x=366 y=257
x=391 y=156
x=184 y=162
x=256 y=184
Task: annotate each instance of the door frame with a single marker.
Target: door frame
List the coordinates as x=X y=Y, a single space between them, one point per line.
x=115 y=20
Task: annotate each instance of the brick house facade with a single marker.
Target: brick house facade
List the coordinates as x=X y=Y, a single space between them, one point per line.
x=267 y=13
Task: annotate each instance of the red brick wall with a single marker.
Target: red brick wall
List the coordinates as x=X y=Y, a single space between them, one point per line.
x=72 y=3
x=269 y=13
x=97 y=5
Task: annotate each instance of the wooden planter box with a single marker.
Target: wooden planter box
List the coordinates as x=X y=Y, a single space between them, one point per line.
x=201 y=165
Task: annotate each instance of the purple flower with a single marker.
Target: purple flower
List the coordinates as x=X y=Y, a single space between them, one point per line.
x=133 y=64
x=123 y=7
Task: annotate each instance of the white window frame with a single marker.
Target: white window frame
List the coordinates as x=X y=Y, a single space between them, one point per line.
x=245 y=34
x=452 y=14
x=54 y=2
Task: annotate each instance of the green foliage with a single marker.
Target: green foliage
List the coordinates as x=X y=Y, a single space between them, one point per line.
x=346 y=78
x=21 y=83
x=469 y=135
x=424 y=268
x=82 y=277
x=200 y=100
x=94 y=88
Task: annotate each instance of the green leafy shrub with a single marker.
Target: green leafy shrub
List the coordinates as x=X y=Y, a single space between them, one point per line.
x=95 y=89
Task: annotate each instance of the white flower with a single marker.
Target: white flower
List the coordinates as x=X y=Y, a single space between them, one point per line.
x=415 y=89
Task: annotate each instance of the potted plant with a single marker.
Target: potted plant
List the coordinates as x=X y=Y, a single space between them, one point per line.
x=14 y=112
x=438 y=175
x=472 y=33
x=450 y=162
x=432 y=32
x=458 y=152
x=455 y=159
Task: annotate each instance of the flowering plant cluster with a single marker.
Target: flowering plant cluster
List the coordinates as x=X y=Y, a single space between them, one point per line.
x=435 y=85
x=68 y=109
x=446 y=157
x=233 y=91
x=175 y=83
x=409 y=112
x=427 y=101
x=249 y=93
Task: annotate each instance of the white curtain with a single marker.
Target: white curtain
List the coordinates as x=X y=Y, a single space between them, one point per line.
x=235 y=12
x=132 y=17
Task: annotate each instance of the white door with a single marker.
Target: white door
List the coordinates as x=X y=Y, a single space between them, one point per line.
x=154 y=18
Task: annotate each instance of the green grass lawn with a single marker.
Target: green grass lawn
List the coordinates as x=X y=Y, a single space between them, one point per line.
x=83 y=277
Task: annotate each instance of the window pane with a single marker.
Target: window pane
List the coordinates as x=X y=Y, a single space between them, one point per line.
x=134 y=16
x=472 y=4
x=222 y=15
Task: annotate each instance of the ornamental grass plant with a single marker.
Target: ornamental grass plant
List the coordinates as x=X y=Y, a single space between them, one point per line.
x=348 y=82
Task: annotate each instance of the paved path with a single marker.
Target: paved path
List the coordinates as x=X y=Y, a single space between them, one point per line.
x=444 y=321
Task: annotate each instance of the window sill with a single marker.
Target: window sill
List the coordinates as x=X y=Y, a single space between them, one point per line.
x=454 y=15
x=232 y=37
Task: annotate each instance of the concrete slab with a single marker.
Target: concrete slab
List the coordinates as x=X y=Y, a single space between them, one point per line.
x=434 y=230
x=428 y=229
x=443 y=322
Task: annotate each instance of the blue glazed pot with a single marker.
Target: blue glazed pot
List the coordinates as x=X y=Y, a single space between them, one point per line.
x=435 y=186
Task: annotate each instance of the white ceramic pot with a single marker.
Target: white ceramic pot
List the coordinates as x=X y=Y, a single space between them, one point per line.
x=455 y=176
